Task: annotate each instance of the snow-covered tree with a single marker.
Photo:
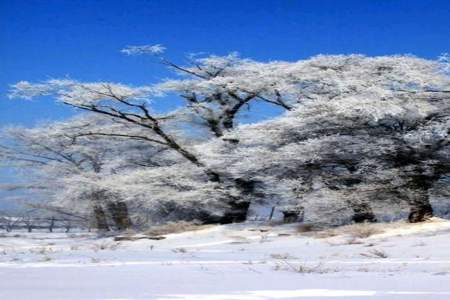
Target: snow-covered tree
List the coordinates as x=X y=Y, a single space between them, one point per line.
x=67 y=161
x=364 y=150
x=218 y=88
x=353 y=123
x=130 y=105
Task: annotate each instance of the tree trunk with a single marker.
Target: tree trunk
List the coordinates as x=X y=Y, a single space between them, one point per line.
x=100 y=219
x=271 y=213
x=119 y=214
x=420 y=207
x=52 y=224
x=293 y=214
x=419 y=202
x=363 y=213
x=237 y=213
x=239 y=207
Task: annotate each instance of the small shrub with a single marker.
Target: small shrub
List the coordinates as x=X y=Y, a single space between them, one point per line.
x=105 y=246
x=363 y=269
x=324 y=234
x=179 y=250
x=375 y=254
x=237 y=239
x=361 y=231
x=300 y=268
x=44 y=250
x=281 y=256
x=301 y=228
x=175 y=227
x=353 y=241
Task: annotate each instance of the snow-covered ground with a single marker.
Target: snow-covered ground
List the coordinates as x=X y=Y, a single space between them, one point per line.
x=240 y=261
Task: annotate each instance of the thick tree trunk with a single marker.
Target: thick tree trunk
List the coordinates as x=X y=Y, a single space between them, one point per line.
x=119 y=214
x=363 y=213
x=419 y=202
x=293 y=214
x=239 y=207
x=420 y=207
x=237 y=213
x=100 y=219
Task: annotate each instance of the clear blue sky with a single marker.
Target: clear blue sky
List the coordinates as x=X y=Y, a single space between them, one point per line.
x=82 y=38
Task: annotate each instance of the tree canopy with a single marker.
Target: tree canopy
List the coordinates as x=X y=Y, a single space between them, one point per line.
x=358 y=134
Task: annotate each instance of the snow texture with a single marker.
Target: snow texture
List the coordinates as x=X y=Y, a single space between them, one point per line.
x=248 y=261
